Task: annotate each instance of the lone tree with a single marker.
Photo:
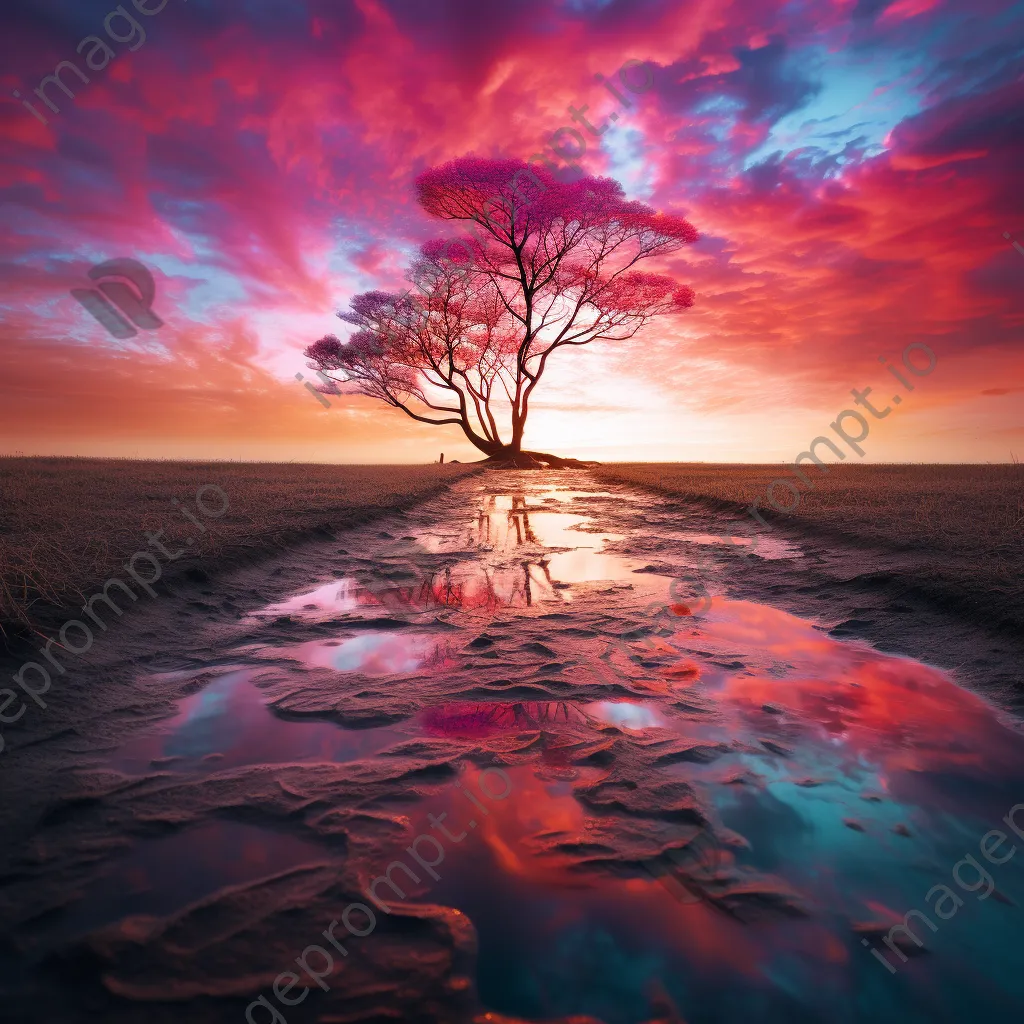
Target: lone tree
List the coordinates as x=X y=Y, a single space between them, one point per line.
x=549 y=266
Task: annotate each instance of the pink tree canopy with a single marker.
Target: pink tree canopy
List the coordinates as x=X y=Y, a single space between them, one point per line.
x=549 y=265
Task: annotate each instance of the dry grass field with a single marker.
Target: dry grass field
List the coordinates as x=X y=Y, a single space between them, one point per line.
x=68 y=524
x=965 y=523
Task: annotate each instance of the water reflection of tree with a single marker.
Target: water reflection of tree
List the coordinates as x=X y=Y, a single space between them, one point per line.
x=517 y=517
x=438 y=589
x=442 y=588
x=518 y=715
x=520 y=518
x=439 y=656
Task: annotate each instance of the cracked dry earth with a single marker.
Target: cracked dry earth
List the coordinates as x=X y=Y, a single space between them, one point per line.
x=646 y=815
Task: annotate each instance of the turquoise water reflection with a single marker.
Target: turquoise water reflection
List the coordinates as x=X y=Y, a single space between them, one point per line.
x=852 y=783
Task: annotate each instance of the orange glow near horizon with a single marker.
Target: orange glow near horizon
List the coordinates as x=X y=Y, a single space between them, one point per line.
x=848 y=206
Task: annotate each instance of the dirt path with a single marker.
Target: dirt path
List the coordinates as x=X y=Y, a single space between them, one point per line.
x=704 y=815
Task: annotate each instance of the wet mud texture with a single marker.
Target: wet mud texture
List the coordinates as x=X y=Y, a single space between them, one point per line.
x=705 y=818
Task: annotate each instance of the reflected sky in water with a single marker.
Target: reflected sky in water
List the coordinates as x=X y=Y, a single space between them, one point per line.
x=159 y=876
x=555 y=940
x=845 y=780
x=327 y=600
x=372 y=653
x=227 y=725
x=537 y=552
x=534 y=555
x=625 y=714
x=768 y=547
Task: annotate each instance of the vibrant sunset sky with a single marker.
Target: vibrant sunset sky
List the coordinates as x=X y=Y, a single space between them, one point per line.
x=852 y=166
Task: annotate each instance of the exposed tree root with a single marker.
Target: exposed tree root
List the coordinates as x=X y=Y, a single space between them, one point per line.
x=533 y=460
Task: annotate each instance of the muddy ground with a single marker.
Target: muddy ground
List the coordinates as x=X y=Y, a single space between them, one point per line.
x=228 y=769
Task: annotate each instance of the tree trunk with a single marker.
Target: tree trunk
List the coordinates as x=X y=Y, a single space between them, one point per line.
x=512 y=456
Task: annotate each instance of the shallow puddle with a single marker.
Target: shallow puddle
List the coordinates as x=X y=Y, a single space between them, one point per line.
x=160 y=876
x=767 y=547
x=487 y=719
x=373 y=654
x=716 y=818
x=534 y=551
x=560 y=934
x=327 y=600
x=227 y=724
x=626 y=714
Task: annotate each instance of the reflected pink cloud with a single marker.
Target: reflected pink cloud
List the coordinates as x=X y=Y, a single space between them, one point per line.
x=373 y=654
